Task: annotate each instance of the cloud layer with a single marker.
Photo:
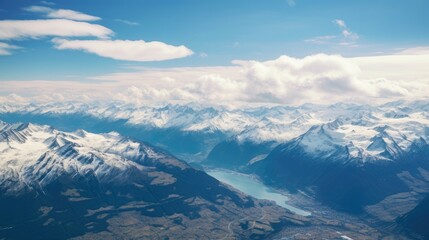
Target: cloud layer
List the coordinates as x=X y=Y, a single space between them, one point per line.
x=317 y=78
x=125 y=49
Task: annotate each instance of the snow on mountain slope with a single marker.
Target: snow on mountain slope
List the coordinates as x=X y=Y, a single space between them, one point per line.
x=95 y=186
x=31 y=155
x=368 y=132
x=278 y=129
x=374 y=141
x=355 y=159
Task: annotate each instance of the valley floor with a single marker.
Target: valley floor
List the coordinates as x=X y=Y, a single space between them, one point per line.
x=330 y=224
x=325 y=223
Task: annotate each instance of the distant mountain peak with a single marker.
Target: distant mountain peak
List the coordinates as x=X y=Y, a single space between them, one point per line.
x=342 y=122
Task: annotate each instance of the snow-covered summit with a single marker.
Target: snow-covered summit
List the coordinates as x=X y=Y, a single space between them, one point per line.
x=371 y=141
x=33 y=155
x=354 y=127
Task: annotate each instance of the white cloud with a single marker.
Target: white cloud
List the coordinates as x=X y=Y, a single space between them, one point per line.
x=127 y=22
x=47 y=3
x=345 y=38
x=287 y=79
x=415 y=51
x=13 y=98
x=126 y=49
x=18 y=29
x=317 y=78
x=61 y=13
x=404 y=71
x=340 y=23
x=349 y=36
x=5 y=48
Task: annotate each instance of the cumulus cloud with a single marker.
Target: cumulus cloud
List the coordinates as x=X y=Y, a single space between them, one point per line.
x=317 y=78
x=215 y=87
x=5 y=48
x=18 y=29
x=61 y=13
x=126 y=49
x=287 y=79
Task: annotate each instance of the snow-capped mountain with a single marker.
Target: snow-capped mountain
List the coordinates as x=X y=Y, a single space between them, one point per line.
x=350 y=164
x=370 y=142
x=367 y=133
x=36 y=155
x=351 y=157
x=60 y=185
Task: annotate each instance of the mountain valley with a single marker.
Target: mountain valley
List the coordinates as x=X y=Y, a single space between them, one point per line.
x=366 y=166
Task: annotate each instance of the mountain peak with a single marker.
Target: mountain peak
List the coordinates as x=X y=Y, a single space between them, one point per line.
x=29 y=146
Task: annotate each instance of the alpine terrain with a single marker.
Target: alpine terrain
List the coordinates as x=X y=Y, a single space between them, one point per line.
x=57 y=185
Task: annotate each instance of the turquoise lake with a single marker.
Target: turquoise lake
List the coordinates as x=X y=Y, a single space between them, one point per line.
x=251 y=186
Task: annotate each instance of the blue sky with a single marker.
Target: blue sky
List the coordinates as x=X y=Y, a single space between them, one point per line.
x=220 y=31
x=83 y=41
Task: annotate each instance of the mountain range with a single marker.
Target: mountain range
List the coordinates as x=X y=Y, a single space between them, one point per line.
x=200 y=129
x=60 y=185
x=363 y=160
